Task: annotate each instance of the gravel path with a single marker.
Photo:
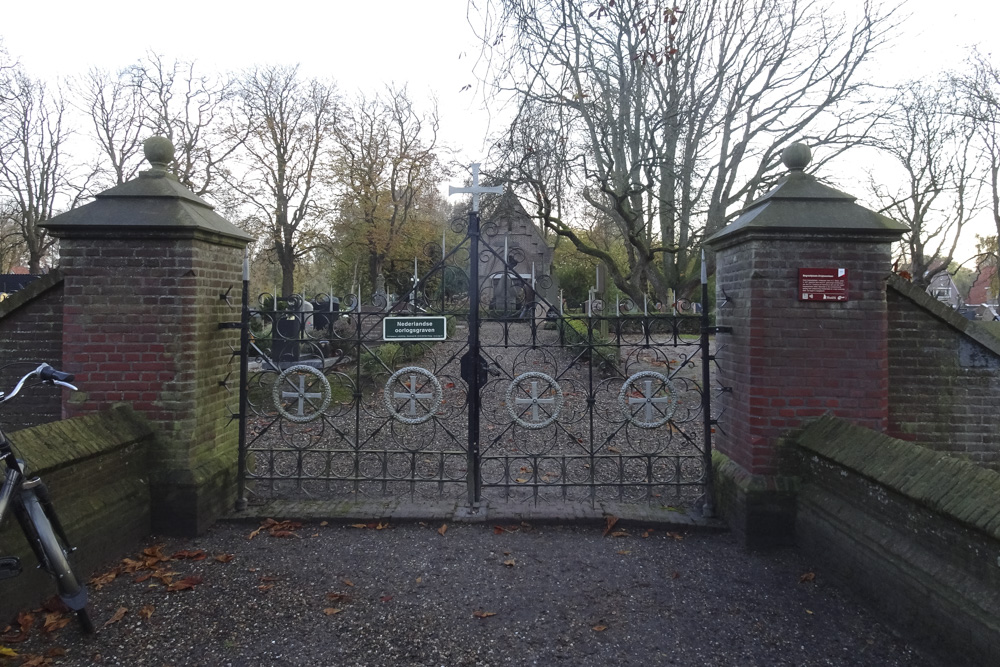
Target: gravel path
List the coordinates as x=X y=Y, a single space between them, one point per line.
x=468 y=594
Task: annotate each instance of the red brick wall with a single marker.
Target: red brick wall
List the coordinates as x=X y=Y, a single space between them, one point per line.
x=789 y=361
x=944 y=379
x=31 y=332
x=141 y=322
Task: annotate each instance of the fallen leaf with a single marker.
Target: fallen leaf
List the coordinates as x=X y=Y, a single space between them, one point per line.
x=614 y=450
x=443 y=529
x=624 y=553
x=484 y=614
x=225 y=558
x=265 y=587
x=358 y=525
x=382 y=525
x=609 y=523
x=146 y=612
x=385 y=598
x=55 y=652
x=324 y=523
x=599 y=628
x=54 y=621
x=269 y=577
x=191 y=555
x=420 y=580
x=619 y=533
x=498 y=530
x=7 y=652
x=675 y=575
x=647 y=532
x=102 y=580
x=330 y=611
x=185 y=584
x=348 y=582
x=807 y=577
x=510 y=563
x=35 y=661
x=145 y=576
x=118 y=615
x=521 y=480
x=340 y=597
x=676 y=536
x=808 y=611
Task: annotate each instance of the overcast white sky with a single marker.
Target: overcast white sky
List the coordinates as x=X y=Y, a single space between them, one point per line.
x=427 y=44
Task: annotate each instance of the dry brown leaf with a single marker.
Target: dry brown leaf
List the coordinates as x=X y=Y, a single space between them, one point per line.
x=483 y=614
x=35 y=661
x=807 y=577
x=348 y=582
x=265 y=587
x=225 y=558
x=521 y=480
x=324 y=523
x=198 y=554
x=420 y=580
x=624 y=553
x=614 y=450
x=55 y=652
x=382 y=525
x=443 y=529
x=510 y=563
x=100 y=581
x=330 y=611
x=599 y=628
x=185 y=584
x=609 y=523
x=385 y=598
x=118 y=615
x=619 y=533
x=340 y=597
x=676 y=536
x=647 y=532
x=358 y=525
x=675 y=575
x=146 y=612
x=54 y=621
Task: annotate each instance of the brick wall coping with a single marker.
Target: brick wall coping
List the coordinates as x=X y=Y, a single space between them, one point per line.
x=968 y=493
x=948 y=315
x=29 y=292
x=57 y=445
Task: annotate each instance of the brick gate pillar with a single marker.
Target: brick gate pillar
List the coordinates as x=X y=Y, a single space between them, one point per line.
x=800 y=279
x=144 y=266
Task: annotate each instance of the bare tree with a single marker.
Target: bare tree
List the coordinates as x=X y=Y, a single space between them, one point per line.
x=387 y=167
x=291 y=124
x=980 y=90
x=675 y=117
x=11 y=241
x=191 y=110
x=926 y=134
x=116 y=110
x=33 y=175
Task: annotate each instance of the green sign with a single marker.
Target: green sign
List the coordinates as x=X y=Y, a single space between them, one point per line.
x=415 y=328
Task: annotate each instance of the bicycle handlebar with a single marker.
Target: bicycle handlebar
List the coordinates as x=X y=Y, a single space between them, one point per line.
x=47 y=374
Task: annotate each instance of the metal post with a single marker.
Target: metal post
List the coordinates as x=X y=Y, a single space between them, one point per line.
x=241 y=498
x=706 y=393
x=474 y=362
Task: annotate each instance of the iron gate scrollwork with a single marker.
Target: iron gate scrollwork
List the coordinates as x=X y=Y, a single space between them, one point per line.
x=524 y=403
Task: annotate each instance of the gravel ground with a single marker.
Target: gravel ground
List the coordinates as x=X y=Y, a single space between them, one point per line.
x=467 y=594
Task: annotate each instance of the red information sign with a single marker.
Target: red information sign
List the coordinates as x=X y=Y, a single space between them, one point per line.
x=823 y=284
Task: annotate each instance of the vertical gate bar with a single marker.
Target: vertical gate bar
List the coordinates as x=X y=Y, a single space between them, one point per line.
x=473 y=473
x=241 y=457
x=706 y=394
x=358 y=396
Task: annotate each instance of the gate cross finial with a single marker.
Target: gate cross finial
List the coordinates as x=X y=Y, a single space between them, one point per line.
x=475 y=189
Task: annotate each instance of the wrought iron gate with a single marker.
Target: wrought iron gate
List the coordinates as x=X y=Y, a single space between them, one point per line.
x=521 y=401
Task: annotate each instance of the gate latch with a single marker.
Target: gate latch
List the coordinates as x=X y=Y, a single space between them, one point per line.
x=470 y=366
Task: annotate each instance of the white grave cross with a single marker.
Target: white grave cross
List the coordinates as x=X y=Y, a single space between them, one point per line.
x=412 y=395
x=475 y=189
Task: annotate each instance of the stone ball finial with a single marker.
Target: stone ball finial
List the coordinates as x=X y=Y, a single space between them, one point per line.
x=796 y=157
x=159 y=151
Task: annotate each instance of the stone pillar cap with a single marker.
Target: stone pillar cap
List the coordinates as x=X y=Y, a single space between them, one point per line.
x=153 y=204
x=799 y=203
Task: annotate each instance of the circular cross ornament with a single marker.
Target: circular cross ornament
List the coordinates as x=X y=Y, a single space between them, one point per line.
x=298 y=388
x=414 y=394
x=531 y=399
x=648 y=399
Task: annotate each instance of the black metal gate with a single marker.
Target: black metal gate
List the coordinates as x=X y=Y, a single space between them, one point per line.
x=521 y=400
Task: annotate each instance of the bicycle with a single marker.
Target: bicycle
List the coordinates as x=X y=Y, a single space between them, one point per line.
x=32 y=506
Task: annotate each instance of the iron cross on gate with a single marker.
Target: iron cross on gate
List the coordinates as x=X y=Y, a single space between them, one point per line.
x=475 y=189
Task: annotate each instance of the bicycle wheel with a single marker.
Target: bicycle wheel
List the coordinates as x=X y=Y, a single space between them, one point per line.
x=71 y=591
